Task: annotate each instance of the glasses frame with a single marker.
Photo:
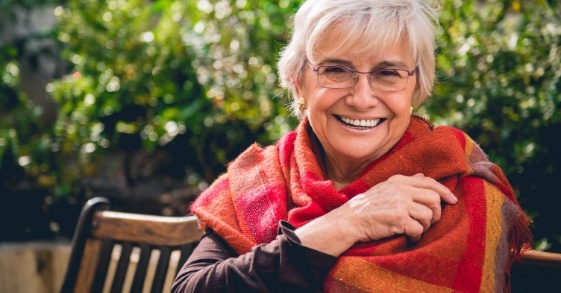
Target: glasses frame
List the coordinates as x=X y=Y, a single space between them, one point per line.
x=356 y=72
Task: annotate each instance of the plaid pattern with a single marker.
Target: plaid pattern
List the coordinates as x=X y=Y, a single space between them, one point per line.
x=469 y=250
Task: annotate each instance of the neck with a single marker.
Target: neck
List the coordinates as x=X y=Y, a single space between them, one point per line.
x=342 y=171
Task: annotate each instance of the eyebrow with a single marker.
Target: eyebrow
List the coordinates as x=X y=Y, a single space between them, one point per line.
x=382 y=64
x=392 y=64
x=336 y=61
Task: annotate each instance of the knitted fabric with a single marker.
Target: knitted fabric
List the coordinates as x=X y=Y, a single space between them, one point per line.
x=470 y=249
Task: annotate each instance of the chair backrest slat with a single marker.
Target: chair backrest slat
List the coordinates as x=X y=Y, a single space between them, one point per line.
x=86 y=268
x=161 y=269
x=96 y=260
x=102 y=265
x=122 y=268
x=141 y=268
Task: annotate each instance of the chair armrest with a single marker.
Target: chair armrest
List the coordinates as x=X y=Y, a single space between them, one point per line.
x=541 y=258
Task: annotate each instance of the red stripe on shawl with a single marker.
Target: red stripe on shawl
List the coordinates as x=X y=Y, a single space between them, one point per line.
x=259 y=190
x=469 y=273
x=262 y=215
x=214 y=208
x=469 y=276
x=285 y=149
x=459 y=135
x=494 y=173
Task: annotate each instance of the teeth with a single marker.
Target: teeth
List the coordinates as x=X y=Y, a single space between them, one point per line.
x=361 y=123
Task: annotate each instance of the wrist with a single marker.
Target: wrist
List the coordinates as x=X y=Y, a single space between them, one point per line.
x=330 y=233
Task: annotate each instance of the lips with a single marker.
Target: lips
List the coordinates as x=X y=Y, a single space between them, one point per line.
x=360 y=123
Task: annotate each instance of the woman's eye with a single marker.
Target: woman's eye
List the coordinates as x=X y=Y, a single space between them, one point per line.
x=387 y=73
x=334 y=70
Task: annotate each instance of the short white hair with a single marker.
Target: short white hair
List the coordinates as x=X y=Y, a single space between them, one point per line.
x=370 y=25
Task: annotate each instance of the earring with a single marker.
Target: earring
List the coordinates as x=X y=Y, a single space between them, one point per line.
x=411 y=110
x=301 y=104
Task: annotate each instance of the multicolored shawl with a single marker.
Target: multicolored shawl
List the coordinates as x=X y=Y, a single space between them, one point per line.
x=469 y=250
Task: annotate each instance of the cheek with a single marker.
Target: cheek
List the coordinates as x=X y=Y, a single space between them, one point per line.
x=320 y=100
x=404 y=101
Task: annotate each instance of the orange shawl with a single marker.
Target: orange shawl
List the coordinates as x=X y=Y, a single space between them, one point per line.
x=469 y=250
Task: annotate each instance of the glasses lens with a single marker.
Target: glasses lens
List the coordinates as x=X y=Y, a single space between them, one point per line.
x=389 y=79
x=335 y=77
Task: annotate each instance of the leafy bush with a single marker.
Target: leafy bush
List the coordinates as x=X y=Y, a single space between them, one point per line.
x=152 y=72
x=500 y=80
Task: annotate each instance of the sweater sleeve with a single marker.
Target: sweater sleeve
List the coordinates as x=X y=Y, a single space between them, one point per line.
x=282 y=265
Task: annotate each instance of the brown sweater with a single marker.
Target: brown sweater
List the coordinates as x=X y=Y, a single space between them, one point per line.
x=282 y=265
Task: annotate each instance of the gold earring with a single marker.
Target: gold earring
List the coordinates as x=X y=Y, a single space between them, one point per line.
x=410 y=110
x=301 y=104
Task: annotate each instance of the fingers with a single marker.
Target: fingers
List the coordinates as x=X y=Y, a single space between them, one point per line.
x=412 y=228
x=421 y=181
x=431 y=201
x=431 y=193
x=426 y=191
x=419 y=221
x=422 y=197
x=407 y=205
x=422 y=215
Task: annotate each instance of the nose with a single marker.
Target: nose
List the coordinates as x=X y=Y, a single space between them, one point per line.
x=363 y=96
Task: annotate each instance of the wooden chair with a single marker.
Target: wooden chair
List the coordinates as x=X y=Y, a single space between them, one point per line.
x=118 y=252
x=101 y=234
x=537 y=271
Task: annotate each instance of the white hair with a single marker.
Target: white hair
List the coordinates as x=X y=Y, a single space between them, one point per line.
x=369 y=26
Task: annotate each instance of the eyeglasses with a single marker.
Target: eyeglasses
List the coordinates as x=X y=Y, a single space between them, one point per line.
x=384 y=79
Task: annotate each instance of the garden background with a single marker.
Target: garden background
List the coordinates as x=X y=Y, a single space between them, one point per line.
x=145 y=102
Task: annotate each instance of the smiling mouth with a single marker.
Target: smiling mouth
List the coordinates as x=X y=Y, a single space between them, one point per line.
x=360 y=124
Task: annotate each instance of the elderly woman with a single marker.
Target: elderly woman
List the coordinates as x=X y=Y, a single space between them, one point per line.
x=363 y=196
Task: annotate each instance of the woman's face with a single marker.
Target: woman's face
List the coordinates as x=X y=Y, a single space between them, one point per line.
x=332 y=113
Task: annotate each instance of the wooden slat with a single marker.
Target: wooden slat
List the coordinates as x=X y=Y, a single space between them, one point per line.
x=87 y=266
x=141 y=268
x=122 y=268
x=152 y=230
x=161 y=270
x=102 y=265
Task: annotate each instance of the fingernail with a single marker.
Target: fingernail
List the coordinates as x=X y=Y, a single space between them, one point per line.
x=454 y=198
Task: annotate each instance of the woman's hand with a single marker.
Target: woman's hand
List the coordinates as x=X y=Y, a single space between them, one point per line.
x=406 y=205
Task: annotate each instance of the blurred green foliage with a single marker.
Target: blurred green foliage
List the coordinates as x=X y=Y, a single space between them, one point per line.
x=499 y=67
x=150 y=72
x=197 y=80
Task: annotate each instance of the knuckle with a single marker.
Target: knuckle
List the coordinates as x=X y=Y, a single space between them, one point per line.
x=415 y=231
x=436 y=215
x=398 y=229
